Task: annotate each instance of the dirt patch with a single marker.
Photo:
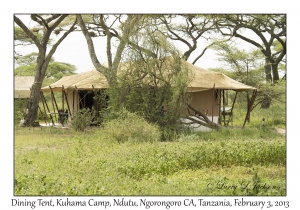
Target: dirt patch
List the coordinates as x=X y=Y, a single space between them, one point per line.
x=281 y=131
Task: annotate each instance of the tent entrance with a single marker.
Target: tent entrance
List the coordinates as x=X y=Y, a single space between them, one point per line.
x=86 y=99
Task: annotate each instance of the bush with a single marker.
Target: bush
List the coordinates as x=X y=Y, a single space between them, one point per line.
x=127 y=126
x=19 y=109
x=82 y=119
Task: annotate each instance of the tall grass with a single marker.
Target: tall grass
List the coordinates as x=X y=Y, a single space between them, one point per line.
x=50 y=161
x=64 y=162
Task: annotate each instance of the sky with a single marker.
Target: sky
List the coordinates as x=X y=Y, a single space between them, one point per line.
x=9 y=8
x=74 y=50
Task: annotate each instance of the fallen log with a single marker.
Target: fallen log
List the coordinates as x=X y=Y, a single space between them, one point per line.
x=203 y=119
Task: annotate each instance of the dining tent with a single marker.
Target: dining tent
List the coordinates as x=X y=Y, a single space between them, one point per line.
x=205 y=88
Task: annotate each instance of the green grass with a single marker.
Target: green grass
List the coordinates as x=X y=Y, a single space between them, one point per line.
x=250 y=161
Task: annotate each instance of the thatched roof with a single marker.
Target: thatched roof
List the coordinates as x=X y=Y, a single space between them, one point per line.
x=201 y=80
x=22 y=85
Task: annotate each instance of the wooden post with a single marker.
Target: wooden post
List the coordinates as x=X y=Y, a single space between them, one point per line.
x=213 y=104
x=66 y=97
x=80 y=100
x=42 y=95
x=233 y=106
x=62 y=100
x=223 y=111
x=254 y=94
x=53 y=97
x=219 y=103
x=52 y=102
x=44 y=106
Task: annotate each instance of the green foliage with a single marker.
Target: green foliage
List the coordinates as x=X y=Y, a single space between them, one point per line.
x=276 y=92
x=126 y=126
x=244 y=66
x=52 y=161
x=20 y=105
x=55 y=70
x=198 y=155
x=20 y=37
x=153 y=82
x=82 y=119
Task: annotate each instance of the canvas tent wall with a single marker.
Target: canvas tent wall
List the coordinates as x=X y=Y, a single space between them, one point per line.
x=22 y=85
x=204 y=88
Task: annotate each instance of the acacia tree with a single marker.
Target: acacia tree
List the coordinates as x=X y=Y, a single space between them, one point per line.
x=55 y=70
x=269 y=28
x=188 y=29
x=243 y=66
x=152 y=84
x=99 y=25
x=40 y=36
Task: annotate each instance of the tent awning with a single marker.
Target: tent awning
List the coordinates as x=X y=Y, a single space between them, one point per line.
x=83 y=81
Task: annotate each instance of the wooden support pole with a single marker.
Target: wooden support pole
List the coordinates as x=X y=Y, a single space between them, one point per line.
x=42 y=100
x=62 y=100
x=55 y=102
x=223 y=111
x=233 y=103
x=67 y=102
x=80 y=100
x=219 y=104
x=254 y=94
x=54 y=98
x=43 y=97
x=52 y=102
x=73 y=105
x=213 y=104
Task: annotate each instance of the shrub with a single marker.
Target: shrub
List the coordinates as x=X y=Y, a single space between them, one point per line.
x=82 y=119
x=19 y=109
x=127 y=126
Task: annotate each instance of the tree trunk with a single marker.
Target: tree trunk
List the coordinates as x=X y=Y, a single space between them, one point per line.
x=32 y=105
x=268 y=69
x=248 y=106
x=265 y=104
x=275 y=72
x=33 y=101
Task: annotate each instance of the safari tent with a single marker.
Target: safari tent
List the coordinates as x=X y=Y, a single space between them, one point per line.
x=206 y=91
x=22 y=85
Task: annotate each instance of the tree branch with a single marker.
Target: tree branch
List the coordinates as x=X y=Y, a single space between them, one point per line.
x=28 y=32
x=91 y=47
